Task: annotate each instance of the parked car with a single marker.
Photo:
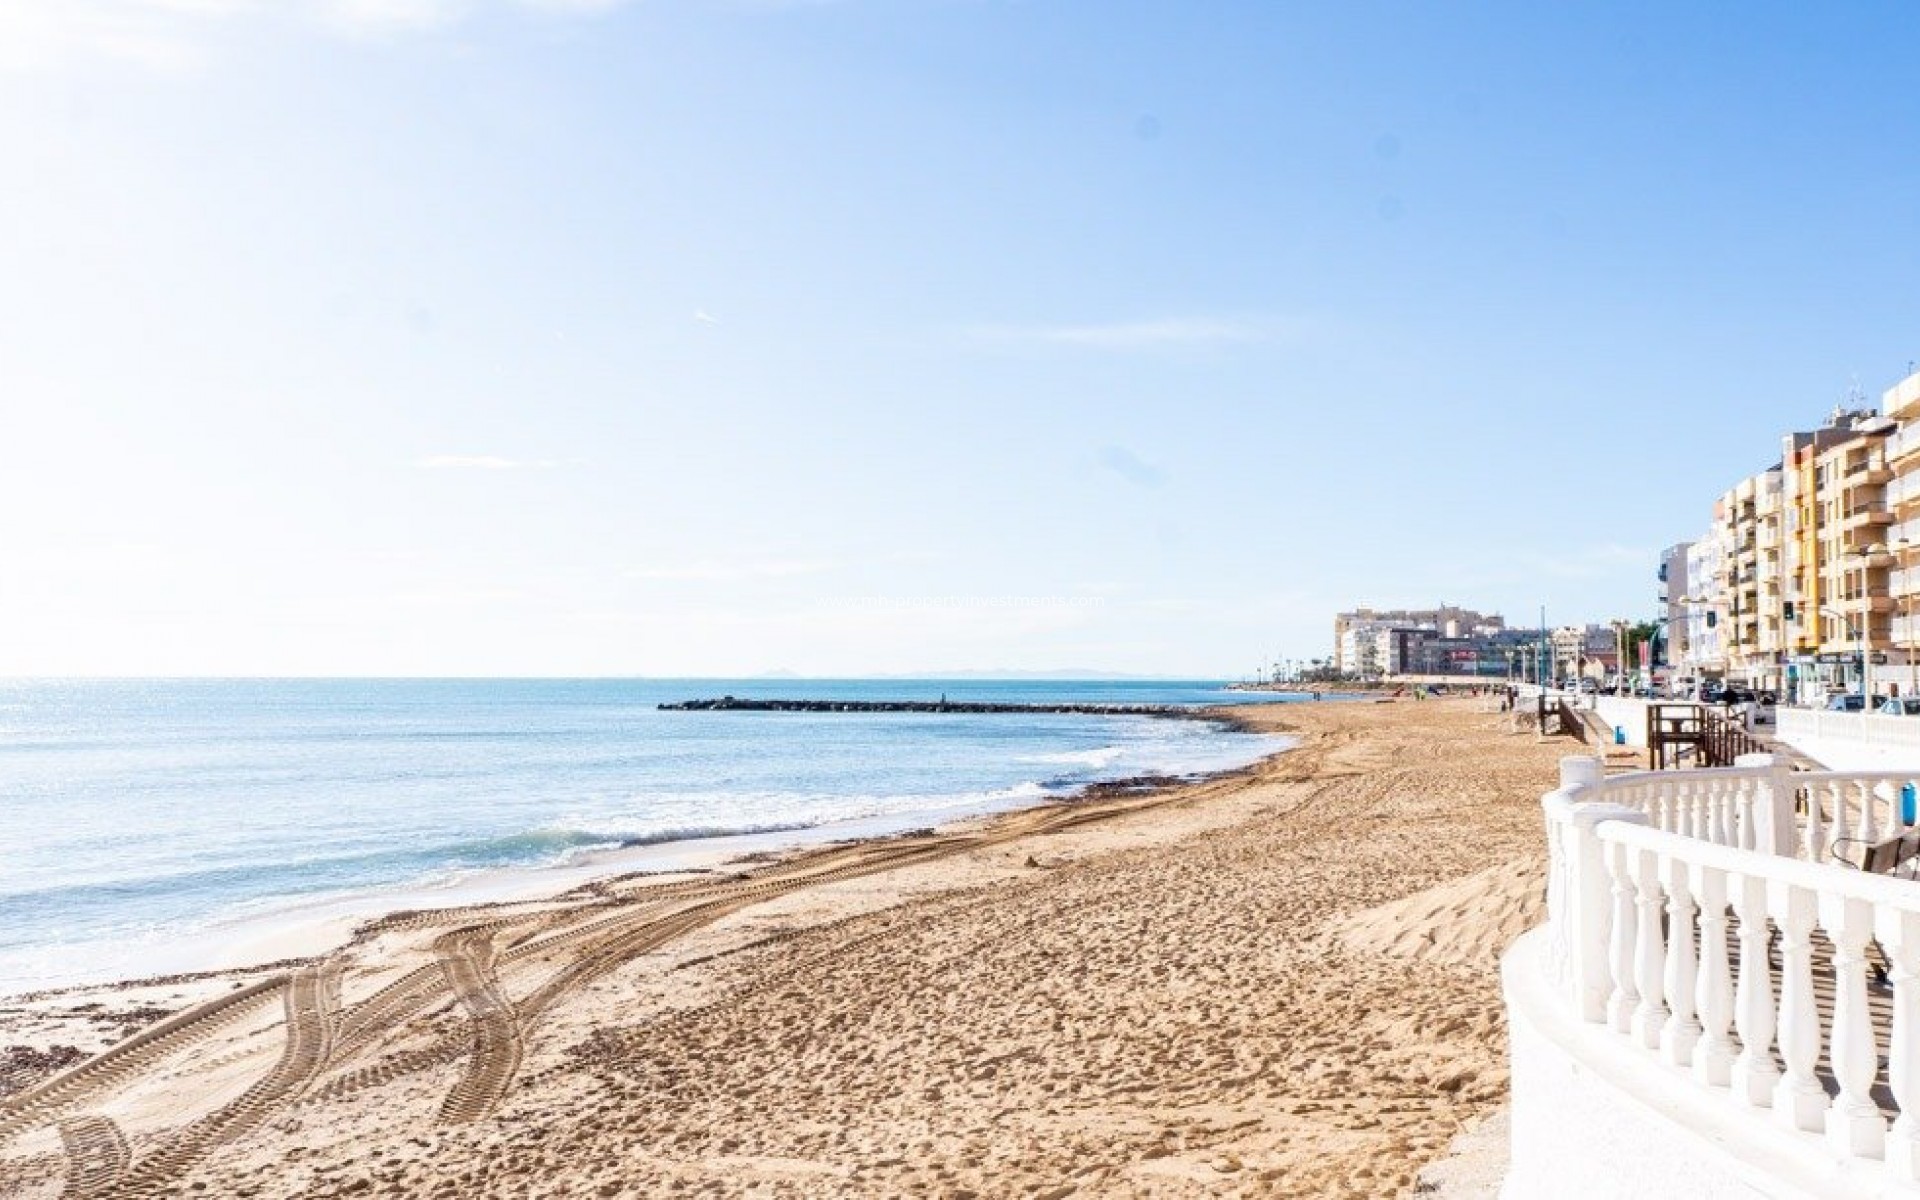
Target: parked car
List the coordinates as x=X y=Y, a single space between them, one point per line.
x=1900 y=706
x=1847 y=702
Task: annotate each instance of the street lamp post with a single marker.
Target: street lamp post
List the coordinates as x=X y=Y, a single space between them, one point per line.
x=1687 y=604
x=1620 y=658
x=1900 y=546
x=1859 y=642
x=1864 y=557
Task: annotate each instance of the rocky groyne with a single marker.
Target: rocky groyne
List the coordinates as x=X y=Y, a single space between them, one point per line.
x=735 y=704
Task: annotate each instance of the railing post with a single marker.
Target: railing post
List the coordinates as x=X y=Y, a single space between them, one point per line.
x=1772 y=805
x=1585 y=888
x=1590 y=899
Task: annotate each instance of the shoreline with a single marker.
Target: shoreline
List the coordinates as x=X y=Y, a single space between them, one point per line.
x=302 y=929
x=1151 y=893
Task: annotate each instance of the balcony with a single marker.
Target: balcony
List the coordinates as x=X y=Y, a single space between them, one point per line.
x=1904 y=489
x=1904 y=442
x=1902 y=397
x=1876 y=600
x=1860 y=515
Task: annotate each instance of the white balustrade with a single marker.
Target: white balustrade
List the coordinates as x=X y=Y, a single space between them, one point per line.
x=1666 y=893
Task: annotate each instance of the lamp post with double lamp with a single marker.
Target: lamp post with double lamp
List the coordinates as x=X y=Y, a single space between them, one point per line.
x=1688 y=604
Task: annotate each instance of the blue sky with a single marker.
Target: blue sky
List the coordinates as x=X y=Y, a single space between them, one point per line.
x=849 y=336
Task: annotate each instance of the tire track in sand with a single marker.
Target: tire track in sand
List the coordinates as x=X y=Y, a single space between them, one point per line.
x=38 y=1105
x=467 y=961
x=97 y=1156
x=311 y=997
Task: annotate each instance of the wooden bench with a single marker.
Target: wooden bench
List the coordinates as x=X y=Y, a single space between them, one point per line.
x=1885 y=857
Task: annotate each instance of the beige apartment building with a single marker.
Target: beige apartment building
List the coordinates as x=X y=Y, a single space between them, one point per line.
x=1802 y=577
x=1854 y=606
x=1748 y=517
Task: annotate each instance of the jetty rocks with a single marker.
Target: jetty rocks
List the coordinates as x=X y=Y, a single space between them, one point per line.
x=734 y=704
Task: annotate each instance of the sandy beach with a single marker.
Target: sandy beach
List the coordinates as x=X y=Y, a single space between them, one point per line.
x=1277 y=982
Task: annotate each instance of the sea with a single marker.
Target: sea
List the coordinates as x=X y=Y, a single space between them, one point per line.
x=153 y=826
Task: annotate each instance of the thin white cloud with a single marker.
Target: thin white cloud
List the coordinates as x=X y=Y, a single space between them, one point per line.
x=1602 y=561
x=387 y=17
x=176 y=36
x=1160 y=333
x=165 y=36
x=1131 y=467
x=704 y=317
x=481 y=462
x=708 y=570
x=574 y=6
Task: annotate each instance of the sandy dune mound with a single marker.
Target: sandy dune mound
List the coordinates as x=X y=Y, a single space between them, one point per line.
x=1466 y=923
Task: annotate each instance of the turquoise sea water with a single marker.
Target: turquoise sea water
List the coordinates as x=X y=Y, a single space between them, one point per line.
x=138 y=815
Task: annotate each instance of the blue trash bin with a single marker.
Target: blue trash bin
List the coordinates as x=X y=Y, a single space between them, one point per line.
x=1906 y=803
x=1620 y=736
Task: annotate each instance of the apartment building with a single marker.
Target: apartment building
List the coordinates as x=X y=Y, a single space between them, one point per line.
x=1793 y=573
x=1589 y=650
x=1901 y=405
x=1358 y=646
x=1740 y=516
x=1674 y=581
x=1703 y=653
x=1856 y=606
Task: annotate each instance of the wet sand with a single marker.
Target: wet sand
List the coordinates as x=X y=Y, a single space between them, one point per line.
x=1277 y=982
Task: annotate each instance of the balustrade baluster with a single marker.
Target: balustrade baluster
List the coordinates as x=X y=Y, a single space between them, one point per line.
x=1867 y=829
x=1798 y=1098
x=1681 y=1032
x=1814 y=841
x=1842 y=825
x=1650 y=958
x=1713 y=1054
x=1899 y=934
x=1754 y=1072
x=1854 y=1124
x=1621 y=952
x=1746 y=821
